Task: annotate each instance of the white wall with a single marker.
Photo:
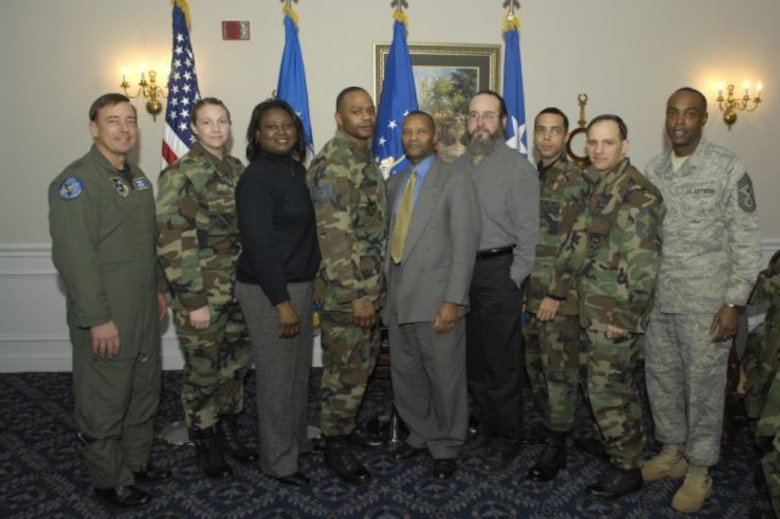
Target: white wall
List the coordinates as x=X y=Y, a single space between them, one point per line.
x=57 y=56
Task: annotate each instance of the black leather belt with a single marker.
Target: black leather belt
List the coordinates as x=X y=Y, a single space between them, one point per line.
x=492 y=253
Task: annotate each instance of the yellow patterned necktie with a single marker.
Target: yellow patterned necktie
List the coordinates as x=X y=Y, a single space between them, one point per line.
x=403 y=216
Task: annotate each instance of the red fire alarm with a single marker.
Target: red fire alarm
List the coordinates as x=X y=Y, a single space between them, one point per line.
x=235 y=30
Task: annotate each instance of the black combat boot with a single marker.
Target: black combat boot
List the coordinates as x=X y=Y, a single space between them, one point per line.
x=227 y=434
x=340 y=459
x=552 y=458
x=616 y=483
x=209 y=456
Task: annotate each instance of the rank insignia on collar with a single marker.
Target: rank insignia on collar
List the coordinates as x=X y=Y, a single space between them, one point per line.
x=71 y=188
x=120 y=186
x=141 y=184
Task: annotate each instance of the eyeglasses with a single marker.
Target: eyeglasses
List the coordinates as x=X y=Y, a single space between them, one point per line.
x=554 y=131
x=485 y=116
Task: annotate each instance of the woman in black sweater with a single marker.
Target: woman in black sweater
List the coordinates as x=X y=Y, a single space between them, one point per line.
x=275 y=275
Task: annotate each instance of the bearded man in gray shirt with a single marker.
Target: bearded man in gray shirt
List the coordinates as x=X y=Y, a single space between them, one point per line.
x=508 y=192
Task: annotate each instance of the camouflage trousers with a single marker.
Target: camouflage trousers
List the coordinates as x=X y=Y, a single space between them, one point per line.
x=216 y=361
x=760 y=363
x=349 y=355
x=770 y=464
x=769 y=426
x=556 y=364
x=686 y=383
x=614 y=395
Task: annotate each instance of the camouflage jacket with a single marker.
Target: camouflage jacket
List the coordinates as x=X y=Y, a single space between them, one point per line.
x=712 y=248
x=563 y=196
x=197 y=228
x=614 y=250
x=767 y=290
x=349 y=199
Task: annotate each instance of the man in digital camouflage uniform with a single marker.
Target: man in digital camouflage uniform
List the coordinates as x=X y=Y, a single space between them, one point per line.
x=613 y=253
x=552 y=337
x=349 y=199
x=712 y=255
x=198 y=245
x=101 y=219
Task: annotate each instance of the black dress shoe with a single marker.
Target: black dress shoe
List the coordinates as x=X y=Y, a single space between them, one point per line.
x=296 y=479
x=125 y=497
x=152 y=474
x=340 y=459
x=362 y=438
x=500 y=459
x=617 y=483
x=444 y=468
x=475 y=442
x=405 y=451
x=550 y=461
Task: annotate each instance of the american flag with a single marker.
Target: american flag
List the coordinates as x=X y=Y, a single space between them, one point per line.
x=182 y=88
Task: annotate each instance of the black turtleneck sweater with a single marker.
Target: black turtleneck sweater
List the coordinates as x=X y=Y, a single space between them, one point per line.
x=278 y=229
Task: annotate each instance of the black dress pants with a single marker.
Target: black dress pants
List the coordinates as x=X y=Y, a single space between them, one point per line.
x=493 y=349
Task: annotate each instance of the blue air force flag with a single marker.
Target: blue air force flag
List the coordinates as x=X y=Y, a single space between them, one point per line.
x=513 y=87
x=397 y=99
x=292 y=76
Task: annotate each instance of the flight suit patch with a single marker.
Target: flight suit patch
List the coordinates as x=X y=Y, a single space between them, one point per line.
x=71 y=188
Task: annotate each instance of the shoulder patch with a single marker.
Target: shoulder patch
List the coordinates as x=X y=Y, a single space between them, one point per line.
x=71 y=188
x=320 y=194
x=747 y=200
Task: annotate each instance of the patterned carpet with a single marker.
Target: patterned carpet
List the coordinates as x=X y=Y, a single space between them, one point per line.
x=41 y=475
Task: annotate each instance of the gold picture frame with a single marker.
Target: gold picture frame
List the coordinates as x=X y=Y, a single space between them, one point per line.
x=446 y=76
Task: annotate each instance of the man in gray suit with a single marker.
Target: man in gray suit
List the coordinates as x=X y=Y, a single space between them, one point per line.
x=434 y=235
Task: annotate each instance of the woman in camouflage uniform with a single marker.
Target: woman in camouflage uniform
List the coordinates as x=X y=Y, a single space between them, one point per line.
x=198 y=246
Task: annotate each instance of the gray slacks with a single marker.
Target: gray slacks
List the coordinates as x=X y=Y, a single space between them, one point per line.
x=282 y=373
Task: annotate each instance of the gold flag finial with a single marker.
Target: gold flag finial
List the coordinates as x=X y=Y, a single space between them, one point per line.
x=185 y=8
x=511 y=20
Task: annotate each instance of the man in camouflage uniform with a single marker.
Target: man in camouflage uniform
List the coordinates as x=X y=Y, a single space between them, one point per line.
x=761 y=359
x=102 y=228
x=552 y=338
x=198 y=245
x=613 y=253
x=348 y=193
x=769 y=426
x=712 y=255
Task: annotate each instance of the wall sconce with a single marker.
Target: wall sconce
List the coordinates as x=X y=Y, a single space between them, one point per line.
x=150 y=90
x=731 y=104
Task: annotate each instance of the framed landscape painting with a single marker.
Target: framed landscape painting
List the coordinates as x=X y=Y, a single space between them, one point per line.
x=445 y=78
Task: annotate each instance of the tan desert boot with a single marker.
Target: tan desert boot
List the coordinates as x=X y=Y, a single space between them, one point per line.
x=696 y=488
x=669 y=463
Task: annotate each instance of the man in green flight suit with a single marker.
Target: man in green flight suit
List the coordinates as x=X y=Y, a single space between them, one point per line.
x=103 y=232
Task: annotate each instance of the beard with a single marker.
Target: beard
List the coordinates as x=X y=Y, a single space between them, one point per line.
x=482 y=146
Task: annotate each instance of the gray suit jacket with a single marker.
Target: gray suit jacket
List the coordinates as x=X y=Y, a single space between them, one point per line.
x=441 y=245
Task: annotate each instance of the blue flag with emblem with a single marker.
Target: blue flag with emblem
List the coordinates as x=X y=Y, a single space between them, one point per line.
x=398 y=98
x=291 y=86
x=513 y=86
